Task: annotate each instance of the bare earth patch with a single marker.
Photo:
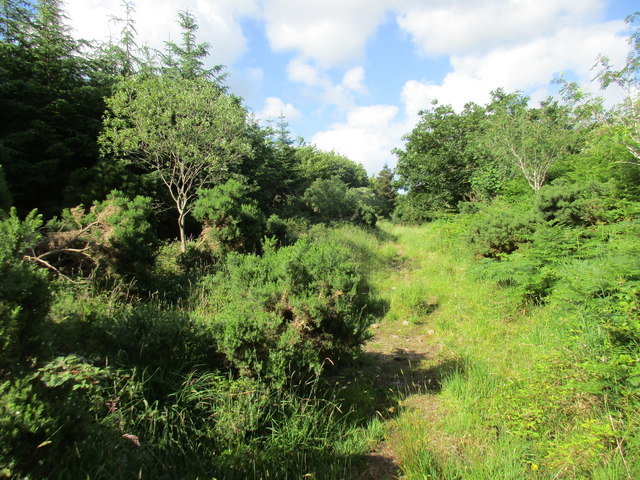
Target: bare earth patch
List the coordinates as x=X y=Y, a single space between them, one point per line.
x=407 y=358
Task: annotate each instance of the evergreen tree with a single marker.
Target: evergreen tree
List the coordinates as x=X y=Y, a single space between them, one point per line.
x=185 y=60
x=385 y=190
x=51 y=107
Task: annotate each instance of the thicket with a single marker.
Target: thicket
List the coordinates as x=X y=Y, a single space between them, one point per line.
x=124 y=353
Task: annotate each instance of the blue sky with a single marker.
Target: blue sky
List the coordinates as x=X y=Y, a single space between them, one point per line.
x=351 y=75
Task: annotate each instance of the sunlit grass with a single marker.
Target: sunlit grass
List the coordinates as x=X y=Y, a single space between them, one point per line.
x=510 y=409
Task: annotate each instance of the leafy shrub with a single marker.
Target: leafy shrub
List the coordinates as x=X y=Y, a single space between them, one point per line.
x=131 y=241
x=571 y=205
x=175 y=273
x=500 y=228
x=333 y=200
x=115 y=235
x=368 y=206
x=288 y=311
x=232 y=221
x=24 y=292
x=412 y=210
x=491 y=178
x=328 y=199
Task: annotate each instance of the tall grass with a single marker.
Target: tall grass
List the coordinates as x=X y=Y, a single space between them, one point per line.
x=516 y=406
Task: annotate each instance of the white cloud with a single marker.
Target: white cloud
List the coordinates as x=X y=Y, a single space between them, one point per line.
x=528 y=67
x=320 y=86
x=330 y=32
x=156 y=22
x=274 y=107
x=302 y=72
x=448 y=27
x=354 y=80
x=368 y=136
x=370 y=133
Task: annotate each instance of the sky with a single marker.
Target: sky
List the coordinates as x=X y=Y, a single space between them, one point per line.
x=352 y=75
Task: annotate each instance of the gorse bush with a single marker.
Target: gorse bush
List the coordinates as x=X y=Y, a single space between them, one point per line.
x=115 y=237
x=500 y=228
x=291 y=310
x=232 y=221
x=333 y=200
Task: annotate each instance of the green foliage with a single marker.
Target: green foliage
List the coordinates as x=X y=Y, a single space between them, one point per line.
x=366 y=204
x=51 y=104
x=499 y=228
x=131 y=235
x=624 y=119
x=439 y=158
x=412 y=210
x=572 y=205
x=333 y=200
x=5 y=193
x=115 y=236
x=175 y=273
x=318 y=165
x=283 y=231
x=289 y=311
x=232 y=221
x=184 y=131
x=24 y=293
x=384 y=188
x=530 y=139
x=491 y=178
x=186 y=60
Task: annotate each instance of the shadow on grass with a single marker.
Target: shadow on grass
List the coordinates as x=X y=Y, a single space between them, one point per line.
x=375 y=388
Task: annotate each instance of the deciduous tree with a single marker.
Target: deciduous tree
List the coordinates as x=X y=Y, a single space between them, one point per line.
x=185 y=131
x=532 y=139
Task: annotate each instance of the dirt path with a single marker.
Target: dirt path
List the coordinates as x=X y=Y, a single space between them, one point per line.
x=406 y=358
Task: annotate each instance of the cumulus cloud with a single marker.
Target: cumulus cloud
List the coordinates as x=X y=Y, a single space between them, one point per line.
x=354 y=80
x=274 y=107
x=156 y=22
x=330 y=32
x=466 y=26
x=368 y=136
x=370 y=133
x=527 y=67
x=320 y=85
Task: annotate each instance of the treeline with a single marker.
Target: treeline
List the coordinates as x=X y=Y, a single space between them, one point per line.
x=125 y=353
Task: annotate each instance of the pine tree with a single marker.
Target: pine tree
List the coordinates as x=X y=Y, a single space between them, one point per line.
x=385 y=190
x=51 y=108
x=185 y=60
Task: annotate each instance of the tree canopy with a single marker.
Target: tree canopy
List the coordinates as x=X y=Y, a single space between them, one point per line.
x=184 y=130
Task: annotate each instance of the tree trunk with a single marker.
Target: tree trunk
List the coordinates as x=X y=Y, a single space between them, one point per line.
x=183 y=238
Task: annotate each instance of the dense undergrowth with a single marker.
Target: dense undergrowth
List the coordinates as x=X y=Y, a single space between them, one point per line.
x=224 y=382
x=241 y=351
x=545 y=339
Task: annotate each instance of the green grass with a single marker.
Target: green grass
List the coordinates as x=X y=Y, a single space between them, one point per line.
x=461 y=380
x=514 y=405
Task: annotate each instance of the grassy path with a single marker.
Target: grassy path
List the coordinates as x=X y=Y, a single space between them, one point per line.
x=447 y=342
x=460 y=381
